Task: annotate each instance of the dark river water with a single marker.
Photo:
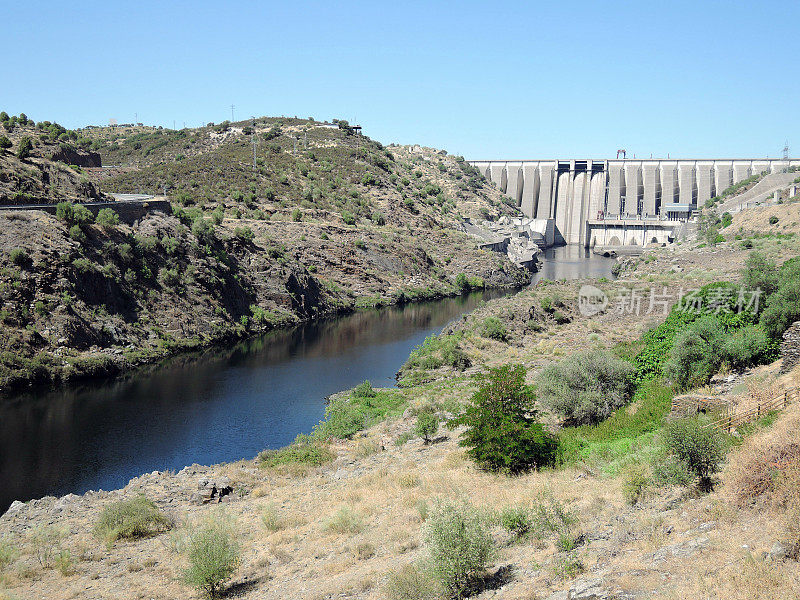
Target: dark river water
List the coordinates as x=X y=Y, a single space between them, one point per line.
x=221 y=405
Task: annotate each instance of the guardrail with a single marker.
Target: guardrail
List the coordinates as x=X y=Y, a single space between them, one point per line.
x=729 y=421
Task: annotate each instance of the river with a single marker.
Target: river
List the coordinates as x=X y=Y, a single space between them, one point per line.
x=222 y=404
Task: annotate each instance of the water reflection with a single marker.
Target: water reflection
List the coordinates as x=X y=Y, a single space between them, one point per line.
x=572 y=262
x=218 y=406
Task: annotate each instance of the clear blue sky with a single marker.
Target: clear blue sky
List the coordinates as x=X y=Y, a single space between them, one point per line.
x=482 y=79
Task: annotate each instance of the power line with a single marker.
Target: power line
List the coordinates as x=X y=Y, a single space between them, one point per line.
x=232 y=107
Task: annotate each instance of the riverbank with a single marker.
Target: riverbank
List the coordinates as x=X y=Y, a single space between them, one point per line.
x=341 y=528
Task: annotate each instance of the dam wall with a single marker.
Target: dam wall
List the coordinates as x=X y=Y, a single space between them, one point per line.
x=574 y=192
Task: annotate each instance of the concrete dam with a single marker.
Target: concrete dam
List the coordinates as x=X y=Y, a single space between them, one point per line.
x=618 y=202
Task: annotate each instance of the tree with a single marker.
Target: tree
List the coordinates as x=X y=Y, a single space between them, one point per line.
x=695 y=356
x=427 y=425
x=459 y=545
x=502 y=431
x=24 y=148
x=107 y=218
x=696 y=444
x=760 y=273
x=5 y=143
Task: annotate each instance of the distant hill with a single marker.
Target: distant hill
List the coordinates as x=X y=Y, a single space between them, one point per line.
x=336 y=224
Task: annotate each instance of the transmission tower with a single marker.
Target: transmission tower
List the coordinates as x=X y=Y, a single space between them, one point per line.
x=786 y=150
x=232 y=107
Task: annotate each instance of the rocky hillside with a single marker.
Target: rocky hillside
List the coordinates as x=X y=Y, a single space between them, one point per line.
x=44 y=163
x=340 y=224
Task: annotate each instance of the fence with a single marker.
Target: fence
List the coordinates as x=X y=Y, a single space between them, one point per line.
x=732 y=420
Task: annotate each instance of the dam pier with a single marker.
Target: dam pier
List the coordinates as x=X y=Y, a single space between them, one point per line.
x=618 y=202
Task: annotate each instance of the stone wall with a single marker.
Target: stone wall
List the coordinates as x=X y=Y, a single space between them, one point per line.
x=790 y=348
x=128 y=211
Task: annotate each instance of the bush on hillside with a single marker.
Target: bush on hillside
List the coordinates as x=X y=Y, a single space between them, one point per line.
x=586 y=387
x=134 y=518
x=107 y=218
x=760 y=273
x=364 y=390
x=427 y=425
x=459 y=546
x=214 y=554
x=696 y=444
x=412 y=583
x=695 y=356
x=494 y=328
x=502 y=431
x=746 y=347
x=20 y=257
x=5 y=143
x=781 y=309
x=305 y=450
x=24 y=148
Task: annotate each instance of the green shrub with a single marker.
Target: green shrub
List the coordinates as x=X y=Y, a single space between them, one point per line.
x=586 y=387
x=346 y=520
x=348 y=218
x=668 y=469
x=360 y=244
x=20 y=257
x=214 y=554
x=134 y=518
x=494 y=328
x=7 y=554
x=297 y=215
x=773 y=220
x=516 y=520
x=502 y=432
x=698 y=445
x=170 y=278
x=746 y=347
x=568 y=567
x=5 y=143
x=364 y=390
x=107 y=218
x=304 y=451
x=781 y=309
x=634 y=484
x=203 y=230
x=427 y=425
x=412 y=583
x=459 y=546
x=760 y=273
x=345 y=416
x=83 y=265
x=244 y=233
x=24 y=148
x=76 y=233
x=271 y=519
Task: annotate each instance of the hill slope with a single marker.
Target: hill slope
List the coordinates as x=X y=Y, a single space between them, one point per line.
x=344 y=224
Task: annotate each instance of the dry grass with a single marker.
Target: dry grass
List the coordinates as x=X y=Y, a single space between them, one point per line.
x=767 y=468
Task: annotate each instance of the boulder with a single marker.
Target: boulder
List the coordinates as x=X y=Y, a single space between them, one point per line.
x=212 y=490
x=588 y=589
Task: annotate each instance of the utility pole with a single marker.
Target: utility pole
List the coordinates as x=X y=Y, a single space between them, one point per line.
x=232 y=107
x=254 y=151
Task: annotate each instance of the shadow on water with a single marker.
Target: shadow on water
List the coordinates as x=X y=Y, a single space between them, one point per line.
x=220 y=405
